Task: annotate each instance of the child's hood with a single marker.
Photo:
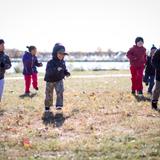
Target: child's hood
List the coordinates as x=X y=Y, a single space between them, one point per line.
x=57 y=48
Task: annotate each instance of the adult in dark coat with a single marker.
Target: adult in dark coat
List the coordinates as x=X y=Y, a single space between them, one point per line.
x=156 y=91
x=150 y=70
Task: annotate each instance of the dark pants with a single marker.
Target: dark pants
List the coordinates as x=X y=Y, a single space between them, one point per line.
x=156 y=92
x=150 y=80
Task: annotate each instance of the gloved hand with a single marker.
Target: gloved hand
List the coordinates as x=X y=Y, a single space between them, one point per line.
x=68 y=74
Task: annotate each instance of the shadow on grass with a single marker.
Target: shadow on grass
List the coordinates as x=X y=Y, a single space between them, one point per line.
x=143 y=98
x=56 y=120
x=2 y=112
x=28 y=95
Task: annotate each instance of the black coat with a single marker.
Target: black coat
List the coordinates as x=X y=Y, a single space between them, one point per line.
x=156 y=64
x=149 y=70
x=52 y=72
x=5 y=64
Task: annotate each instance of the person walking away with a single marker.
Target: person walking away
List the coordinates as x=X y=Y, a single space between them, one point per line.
x=156 y=90
x=149 y=76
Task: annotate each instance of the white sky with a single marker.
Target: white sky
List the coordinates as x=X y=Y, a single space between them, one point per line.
x=81 y=25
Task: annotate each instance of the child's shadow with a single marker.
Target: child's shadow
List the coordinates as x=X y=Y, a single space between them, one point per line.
x=2 y=112
x=143 y=98
x=56 y=120
x=28 y=95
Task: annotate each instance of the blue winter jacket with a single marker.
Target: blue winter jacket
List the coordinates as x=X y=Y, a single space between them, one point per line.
x=30 y=64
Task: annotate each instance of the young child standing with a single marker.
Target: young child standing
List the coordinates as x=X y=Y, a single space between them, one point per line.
x=55 y=73
x=150 y=71
x=156 y=91
x=30 y=63
x=137 y=58
x=5 y=64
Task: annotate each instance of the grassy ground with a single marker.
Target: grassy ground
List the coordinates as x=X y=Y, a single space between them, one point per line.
x=101 y=121
x=82 y=73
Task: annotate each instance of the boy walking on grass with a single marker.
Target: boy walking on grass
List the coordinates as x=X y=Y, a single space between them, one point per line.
x=156 y=91
x=5 y=64
x=55 y=73
x=137 y=58
x=30 y=63
x=150 y=71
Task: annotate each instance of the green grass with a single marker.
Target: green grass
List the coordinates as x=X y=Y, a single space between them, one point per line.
x=103 y=121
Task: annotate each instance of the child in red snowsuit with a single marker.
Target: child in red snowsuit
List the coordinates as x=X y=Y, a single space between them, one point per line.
x=30 y=63
x=137 y=58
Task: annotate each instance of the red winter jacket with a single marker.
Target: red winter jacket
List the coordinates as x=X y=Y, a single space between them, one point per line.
x=137 y=56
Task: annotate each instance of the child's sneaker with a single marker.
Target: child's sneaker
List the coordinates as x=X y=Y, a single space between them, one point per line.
x=27 y=94
x=36 y=88
x=154 y=105
x=47 y=109
x=140 y=93
x=133 y=92
x=59 y=108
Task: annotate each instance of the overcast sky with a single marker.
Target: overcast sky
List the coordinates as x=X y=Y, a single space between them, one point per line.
x=81 y=25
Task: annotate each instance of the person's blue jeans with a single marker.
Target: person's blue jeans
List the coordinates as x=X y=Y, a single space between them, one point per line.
x=1 y=88
x=150 y=81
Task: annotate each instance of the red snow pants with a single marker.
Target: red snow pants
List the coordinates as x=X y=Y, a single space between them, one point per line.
x=137 y=78
x=28 y=79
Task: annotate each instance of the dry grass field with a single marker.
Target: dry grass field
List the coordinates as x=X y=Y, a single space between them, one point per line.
x=101 y=120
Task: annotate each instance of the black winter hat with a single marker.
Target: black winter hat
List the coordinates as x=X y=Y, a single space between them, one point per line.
x=153 y=47
x=138 y=39
x=1 y=41
x=59 y=48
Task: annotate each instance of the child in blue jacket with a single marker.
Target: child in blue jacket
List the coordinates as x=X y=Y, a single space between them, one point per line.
x=30 y=63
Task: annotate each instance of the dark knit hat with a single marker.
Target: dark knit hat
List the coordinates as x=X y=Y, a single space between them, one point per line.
x=153 y=47
x=30 y=48
x=1 y=41
x=58 y=47
x=139 y=39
